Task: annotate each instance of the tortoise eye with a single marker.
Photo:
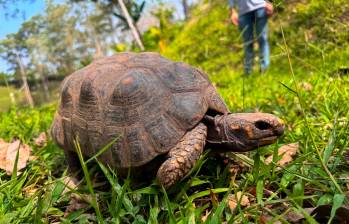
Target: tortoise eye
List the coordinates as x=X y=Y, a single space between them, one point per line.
x=263 y=125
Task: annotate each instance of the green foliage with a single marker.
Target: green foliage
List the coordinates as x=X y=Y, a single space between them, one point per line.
x=322 y=32
x=158 y=38
x=32 y=192
x=111 y=7
x=25 y=124
x=198 y=42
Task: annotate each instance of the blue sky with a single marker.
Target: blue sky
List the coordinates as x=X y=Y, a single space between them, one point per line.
x=27 y=10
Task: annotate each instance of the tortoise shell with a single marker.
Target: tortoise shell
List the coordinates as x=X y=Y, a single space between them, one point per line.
x=146 y=101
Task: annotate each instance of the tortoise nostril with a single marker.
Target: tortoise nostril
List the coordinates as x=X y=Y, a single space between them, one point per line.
x=263 y=125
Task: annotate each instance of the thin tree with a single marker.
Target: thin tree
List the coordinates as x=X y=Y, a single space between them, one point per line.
x=185 y=6
x=127 y=11
x=131 y=25
x=92 y=31
x=27 y=92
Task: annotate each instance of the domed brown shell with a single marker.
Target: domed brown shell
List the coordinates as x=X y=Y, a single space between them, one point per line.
x=144 y=100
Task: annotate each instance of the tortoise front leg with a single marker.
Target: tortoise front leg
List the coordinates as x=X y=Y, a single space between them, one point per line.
x=183 y=156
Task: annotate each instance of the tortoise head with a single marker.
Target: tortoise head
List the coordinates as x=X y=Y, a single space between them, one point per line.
x=243 y=131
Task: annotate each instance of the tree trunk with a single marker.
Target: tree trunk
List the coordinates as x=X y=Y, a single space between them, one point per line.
x=27 y=93
x=98 y=47
x=99 y=51
x=44 y=82
x=131 y=25
x=185 y=9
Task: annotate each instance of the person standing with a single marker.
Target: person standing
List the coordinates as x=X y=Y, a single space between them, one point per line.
x=253 y=15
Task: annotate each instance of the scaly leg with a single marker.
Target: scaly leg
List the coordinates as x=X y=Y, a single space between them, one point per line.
x=73 y=162
x=183 y=156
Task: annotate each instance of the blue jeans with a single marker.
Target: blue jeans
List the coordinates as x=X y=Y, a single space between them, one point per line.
x=257 y=20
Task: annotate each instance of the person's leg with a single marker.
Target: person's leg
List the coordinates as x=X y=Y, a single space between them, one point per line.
x=262 y=37
x=246 y=22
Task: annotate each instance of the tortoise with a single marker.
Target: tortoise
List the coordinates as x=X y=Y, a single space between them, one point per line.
x=163 y=113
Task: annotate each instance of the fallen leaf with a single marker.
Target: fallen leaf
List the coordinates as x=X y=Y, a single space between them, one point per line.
x=204 y=217
x=8 y=153
x=76 y=202
x=320 y=213
x=281 y=100
x=286 y=152
x=31 y=158
x=306 y=86
x=71 y=183
x=79 y=201
x=239 y=198
x=30 y=190
x=41 y=139
x=214 y=198
x=264 y=219
x=3 y=152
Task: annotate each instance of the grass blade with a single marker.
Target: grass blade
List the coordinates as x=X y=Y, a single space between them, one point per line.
x=105 y=148
x=88 y=182
x=338 y=200
x=172 y=219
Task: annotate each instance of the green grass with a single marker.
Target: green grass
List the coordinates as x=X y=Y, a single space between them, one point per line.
x=11 y=96
x=304 y=181
x=5 y=97
x=311 y=98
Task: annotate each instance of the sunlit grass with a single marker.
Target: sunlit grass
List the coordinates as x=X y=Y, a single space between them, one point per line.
x=9 y=96
x=210 y=182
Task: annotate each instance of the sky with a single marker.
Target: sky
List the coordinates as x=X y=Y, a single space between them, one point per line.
x=27 y=9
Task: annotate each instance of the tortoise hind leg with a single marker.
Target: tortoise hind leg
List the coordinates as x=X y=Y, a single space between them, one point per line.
x=73 y=162
x=183 y=156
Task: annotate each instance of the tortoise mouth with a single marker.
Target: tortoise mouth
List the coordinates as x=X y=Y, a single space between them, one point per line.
x=268 y=140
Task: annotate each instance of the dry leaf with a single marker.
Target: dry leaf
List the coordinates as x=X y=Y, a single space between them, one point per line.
x=41 y=139
x=31 y=158
x=76 y=202
x=3 y=151
x=320 y=213
x=70 y=183
x=281 y=100
x=214 y=198
x=264 y=218
x=30 y=190
x=286 y=152
x=233 y=201
x=204 y=217
x=8 y=153
x=306 y=86
x=79 y=201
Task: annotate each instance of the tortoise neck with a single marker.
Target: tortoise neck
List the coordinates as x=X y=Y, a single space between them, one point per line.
x=216 y=129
